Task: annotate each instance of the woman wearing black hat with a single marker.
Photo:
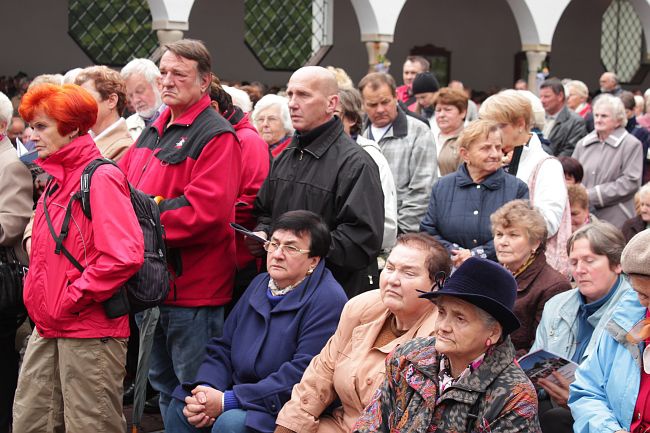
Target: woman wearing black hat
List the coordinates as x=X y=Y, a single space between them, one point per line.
x=465 y=377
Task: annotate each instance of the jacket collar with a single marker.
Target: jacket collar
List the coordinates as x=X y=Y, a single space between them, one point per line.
x=185 y=119
x=493 y=181
x=563 y=115
x=526 y=278
x=628 y=310
x=493 y=364
x=322 y=142
x=399 y=127
x=293 y=300
x=77 y=154
x=614 y=139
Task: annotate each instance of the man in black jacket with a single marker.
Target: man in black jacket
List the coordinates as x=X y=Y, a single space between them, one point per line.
x=324 y=171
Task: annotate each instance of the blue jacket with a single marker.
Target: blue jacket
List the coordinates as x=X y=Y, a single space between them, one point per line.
x=603 y=396
x=558 y=330
x=264 y=351
x=459 y=209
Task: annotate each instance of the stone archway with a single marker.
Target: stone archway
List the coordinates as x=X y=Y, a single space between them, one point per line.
x=537 y=21
x=377 y=20
x=170 y=19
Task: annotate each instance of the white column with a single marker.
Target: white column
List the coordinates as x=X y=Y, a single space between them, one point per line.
x=377 y=54
x=535 y=59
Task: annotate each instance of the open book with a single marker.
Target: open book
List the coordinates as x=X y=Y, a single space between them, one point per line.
x=540 y=364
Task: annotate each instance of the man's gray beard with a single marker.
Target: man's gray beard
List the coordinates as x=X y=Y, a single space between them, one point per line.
x=148 y=114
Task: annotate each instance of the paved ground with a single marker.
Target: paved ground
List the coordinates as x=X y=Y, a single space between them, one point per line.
x=150 y=422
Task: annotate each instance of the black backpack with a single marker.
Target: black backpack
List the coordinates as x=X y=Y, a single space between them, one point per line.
x=149 y=286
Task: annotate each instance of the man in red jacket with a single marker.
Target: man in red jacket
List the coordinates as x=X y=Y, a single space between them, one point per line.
x=256 y=161
x=412 y=66
x=190 y=157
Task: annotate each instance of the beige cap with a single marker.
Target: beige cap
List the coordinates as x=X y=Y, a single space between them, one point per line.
x=636 y=254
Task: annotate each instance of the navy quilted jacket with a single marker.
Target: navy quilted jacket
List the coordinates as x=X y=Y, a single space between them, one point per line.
x=459 y=209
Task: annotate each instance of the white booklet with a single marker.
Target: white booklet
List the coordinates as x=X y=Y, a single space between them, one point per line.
x=540 y=364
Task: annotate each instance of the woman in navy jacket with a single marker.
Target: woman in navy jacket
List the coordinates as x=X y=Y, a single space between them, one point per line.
x=283 y=319
x=461 y=202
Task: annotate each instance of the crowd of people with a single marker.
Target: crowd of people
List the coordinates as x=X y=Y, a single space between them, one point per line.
x=400 y=247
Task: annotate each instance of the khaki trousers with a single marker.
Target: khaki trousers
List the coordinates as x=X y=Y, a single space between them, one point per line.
x=71 y=385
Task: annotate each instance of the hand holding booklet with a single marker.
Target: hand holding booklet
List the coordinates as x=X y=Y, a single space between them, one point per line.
x=540 y=364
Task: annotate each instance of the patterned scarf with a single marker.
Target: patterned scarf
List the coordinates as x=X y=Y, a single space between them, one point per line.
x=276 y=291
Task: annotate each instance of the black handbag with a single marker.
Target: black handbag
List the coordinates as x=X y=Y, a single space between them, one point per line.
x=12 y=273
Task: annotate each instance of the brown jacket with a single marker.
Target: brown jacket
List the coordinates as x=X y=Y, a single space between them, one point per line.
x=536 y=284
x=113 y=144
x=632 y=227
x=349 y=368
x=16 y=200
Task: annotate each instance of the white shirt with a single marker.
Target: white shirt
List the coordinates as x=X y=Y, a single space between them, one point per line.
x=550 y=187
x=388 y=187
x=378 y=133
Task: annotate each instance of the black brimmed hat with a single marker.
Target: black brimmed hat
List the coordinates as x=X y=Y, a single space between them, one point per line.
x=487 y=285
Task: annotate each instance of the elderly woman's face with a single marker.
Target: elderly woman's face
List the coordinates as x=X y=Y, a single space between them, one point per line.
x=461 y=333
x=484 y=156
x=592 y=272
x=269 y=124
x=604 y=120
x=405 y=273
x=513 y=246
x=45 y=135
x=286 y=265
x=573 y=99
x=644 y=207
x=449 y=118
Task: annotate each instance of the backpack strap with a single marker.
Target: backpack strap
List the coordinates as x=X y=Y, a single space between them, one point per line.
x=82 y=195
x=86 y=177
x=58 y=239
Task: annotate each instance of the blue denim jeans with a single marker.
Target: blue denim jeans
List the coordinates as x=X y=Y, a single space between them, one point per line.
x=232 y=421
x=179 y=346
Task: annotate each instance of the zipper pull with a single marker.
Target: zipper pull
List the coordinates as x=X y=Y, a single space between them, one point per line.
x=301 y=153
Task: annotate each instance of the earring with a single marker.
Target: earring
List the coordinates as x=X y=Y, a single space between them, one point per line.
x=310 y=271
x=488 y=342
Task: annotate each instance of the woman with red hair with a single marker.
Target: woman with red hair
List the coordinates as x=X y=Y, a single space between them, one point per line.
x=72 y=373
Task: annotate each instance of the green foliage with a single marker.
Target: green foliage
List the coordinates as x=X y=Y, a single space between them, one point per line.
x=111 y=32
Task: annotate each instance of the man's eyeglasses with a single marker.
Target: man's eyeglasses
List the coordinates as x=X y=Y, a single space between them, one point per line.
x=289 y=250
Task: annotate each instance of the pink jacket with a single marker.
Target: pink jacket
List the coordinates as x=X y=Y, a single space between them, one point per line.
x=63 y=302
x=349 y=368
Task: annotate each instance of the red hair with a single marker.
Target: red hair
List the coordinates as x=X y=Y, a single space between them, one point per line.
x=71 y=106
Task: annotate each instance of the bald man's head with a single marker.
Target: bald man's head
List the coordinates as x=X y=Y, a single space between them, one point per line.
x=313 y=97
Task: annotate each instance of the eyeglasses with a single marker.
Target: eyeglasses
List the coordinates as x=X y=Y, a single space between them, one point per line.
x=289 y=250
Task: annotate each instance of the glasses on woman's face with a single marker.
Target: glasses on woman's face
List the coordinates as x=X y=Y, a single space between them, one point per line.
x=290 y=250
